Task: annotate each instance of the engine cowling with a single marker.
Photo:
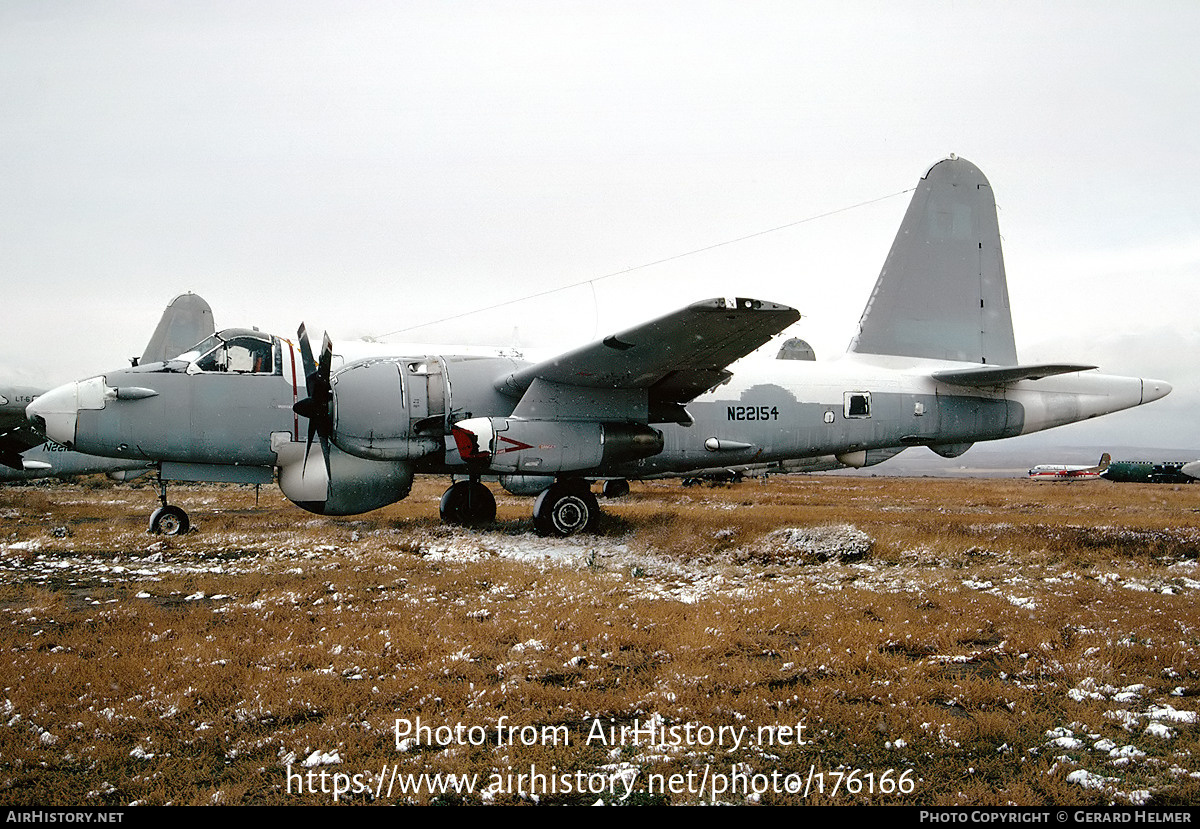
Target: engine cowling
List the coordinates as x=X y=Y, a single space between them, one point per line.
x=331 y=482
x=373 y=404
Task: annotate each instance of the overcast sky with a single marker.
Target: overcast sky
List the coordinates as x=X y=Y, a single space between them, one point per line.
x=367 y=167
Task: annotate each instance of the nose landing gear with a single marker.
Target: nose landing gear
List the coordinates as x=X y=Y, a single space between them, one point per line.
x=168 y=519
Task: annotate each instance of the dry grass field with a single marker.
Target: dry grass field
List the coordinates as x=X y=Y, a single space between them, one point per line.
x=813 y=639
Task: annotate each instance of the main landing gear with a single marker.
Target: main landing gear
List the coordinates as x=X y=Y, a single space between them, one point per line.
x=168 y=519
x=615 y=488
x=564 y=508
x=468 y=504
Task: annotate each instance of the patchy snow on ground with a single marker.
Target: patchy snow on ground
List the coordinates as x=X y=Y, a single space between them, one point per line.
x=833 y=558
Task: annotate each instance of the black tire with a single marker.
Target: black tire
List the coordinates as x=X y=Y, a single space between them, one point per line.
x=468 y=504
x=169 y=520
x=616 y=488
x=565 y=509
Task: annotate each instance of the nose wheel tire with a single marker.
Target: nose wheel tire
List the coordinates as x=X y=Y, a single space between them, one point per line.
x=169 y=520
x=565 y=509
x=468 y=504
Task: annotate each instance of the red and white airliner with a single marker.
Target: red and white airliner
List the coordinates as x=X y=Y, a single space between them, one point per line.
x=1059 y=472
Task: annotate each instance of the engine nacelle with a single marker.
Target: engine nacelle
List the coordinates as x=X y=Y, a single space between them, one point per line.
x=373 y=403
x=349 y=485
x=548 y=447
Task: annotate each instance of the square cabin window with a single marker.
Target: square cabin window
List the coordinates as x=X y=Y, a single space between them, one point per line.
x=858 y=404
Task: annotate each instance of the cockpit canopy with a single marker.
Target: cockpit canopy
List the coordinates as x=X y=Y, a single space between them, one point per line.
x=235 y=351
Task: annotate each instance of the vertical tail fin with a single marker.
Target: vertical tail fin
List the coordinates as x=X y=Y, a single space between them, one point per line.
x=187 y=320
x=942 y=293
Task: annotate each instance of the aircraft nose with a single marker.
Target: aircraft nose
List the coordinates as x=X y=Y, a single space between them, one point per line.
x=1154 y=389
x=56 y=412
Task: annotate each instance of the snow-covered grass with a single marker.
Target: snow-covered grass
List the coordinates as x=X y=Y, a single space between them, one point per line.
x=985 y=642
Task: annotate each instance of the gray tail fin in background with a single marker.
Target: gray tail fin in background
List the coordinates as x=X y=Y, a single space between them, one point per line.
x=942 y=293
x=187 y=320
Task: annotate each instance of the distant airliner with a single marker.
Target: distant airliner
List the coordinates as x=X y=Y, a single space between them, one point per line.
x=1059 y=472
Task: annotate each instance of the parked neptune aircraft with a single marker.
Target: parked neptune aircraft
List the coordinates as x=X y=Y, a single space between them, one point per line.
x=26 y=454
x=933 y=364
x=1065 y=472
x=1150 y=472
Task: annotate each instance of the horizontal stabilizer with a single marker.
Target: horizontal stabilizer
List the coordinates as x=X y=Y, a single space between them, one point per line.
x=1003 y=375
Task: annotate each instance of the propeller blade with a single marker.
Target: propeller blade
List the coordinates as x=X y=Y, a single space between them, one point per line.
x=317 y=382
x=326 y=359
x=310 y=365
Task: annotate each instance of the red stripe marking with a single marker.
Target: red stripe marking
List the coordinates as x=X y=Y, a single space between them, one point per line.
x=295 y=390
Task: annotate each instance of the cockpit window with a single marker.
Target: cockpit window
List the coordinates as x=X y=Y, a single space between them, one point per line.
x=202 y=347
x=239 y=355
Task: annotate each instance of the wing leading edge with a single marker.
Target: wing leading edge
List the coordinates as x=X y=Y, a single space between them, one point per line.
x=648 y=372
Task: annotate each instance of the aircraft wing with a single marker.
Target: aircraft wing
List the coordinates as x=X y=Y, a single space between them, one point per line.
x=1004 y=375
x=673 y=359
x=15 y=439
x=16 y=432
